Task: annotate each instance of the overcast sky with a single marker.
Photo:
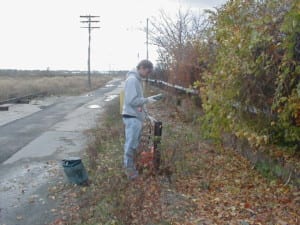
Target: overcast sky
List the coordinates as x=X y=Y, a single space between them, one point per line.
x=36 y=34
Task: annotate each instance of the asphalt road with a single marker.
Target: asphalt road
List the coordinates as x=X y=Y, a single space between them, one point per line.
x=31 y=150
x=15 y=135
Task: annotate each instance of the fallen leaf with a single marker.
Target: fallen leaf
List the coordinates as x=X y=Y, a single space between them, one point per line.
x=19 y=217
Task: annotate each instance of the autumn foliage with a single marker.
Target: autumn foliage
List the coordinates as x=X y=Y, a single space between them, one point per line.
x=244 y=58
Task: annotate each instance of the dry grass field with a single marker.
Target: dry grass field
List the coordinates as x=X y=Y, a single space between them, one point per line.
x=15 y=86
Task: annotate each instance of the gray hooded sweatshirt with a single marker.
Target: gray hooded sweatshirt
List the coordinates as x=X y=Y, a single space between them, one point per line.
x=134 y=100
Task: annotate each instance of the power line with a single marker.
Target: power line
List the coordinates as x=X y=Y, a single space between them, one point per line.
x=88 y=19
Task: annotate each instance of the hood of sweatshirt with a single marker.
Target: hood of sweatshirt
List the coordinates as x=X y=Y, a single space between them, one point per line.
x=135 y=73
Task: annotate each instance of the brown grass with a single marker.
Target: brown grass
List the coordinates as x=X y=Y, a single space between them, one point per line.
x=16 y=86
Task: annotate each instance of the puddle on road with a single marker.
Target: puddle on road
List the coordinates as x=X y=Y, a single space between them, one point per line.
x=110 y=85
x=111 y=97
x=94 y=107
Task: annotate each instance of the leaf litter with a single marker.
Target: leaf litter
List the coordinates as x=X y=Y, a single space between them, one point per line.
x=198 y=183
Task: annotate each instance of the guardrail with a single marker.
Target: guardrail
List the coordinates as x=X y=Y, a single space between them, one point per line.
x=249 y=109
x=174 y=86
x=19 y=99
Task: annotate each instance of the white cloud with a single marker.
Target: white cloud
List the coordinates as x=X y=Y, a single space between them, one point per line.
x=200 y=3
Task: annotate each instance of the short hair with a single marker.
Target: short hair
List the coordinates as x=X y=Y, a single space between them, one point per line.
x=146 y=64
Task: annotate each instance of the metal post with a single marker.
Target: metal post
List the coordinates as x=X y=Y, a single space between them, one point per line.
x=156 y=143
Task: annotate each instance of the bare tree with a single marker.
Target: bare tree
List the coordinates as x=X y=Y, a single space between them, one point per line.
x=178 y=43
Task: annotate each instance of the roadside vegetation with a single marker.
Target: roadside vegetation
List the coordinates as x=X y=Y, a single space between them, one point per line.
x=198 y=182
x=17 y=86
x=244 y=58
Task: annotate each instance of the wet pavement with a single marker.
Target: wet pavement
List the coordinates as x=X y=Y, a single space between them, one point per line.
x=31 y=150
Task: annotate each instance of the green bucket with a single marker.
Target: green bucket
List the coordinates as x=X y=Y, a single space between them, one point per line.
x=74 y=170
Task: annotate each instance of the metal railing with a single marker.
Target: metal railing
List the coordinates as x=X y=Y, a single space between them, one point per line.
x=174 y=86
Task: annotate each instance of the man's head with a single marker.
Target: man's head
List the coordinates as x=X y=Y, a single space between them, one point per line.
x=145 y=67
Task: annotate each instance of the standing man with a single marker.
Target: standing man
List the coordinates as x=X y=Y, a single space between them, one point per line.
x=134 y=113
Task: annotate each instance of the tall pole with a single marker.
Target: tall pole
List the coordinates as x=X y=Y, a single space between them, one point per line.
x=147 y=39
x=89 y=27
x=89 y=56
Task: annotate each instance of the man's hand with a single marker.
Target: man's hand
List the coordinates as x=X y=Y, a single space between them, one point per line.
x=151 y=99
x=150 y=118
x=154 y=98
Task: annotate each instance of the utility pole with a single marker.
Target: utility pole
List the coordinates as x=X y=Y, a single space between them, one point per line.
x=147 y=39
x=90 y=22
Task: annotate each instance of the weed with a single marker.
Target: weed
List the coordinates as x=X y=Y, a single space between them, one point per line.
x=16 y=86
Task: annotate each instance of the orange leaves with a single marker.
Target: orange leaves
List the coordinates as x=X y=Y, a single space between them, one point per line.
x=146 y=158
x=58 y=222
x=143 y=202
x=247 y=205
x=237 y=193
